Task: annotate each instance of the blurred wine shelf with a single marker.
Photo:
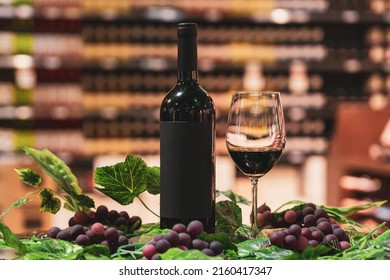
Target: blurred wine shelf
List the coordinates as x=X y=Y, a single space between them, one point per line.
x=86 y=78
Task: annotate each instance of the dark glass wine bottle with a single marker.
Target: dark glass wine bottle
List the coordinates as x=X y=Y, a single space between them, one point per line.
x=187 y=140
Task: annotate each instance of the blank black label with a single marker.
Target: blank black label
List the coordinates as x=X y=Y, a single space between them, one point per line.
x=187 y=169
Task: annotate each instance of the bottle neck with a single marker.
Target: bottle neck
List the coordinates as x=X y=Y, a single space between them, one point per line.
x=187 y=67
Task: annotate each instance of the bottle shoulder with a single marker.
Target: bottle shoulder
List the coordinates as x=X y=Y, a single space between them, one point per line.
x=188 y=96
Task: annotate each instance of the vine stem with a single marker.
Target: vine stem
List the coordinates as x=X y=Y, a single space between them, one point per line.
x=150 y=210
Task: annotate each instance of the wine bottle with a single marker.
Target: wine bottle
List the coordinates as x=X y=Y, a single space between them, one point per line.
x=187 y=140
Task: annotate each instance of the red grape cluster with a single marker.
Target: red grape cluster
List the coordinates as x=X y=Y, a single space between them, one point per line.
x=309 y=226
x=183 y=238
x=111 y=218
x=103 y=226
x=96 y=234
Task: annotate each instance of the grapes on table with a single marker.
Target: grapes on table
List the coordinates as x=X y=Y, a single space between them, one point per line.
x=309 y=226
x=184 y=238
x=121 y=220
x=103 y=226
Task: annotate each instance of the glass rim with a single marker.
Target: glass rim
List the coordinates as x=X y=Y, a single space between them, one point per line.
x=256 y=93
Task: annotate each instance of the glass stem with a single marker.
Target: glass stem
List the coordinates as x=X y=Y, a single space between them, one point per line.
x=254 y=228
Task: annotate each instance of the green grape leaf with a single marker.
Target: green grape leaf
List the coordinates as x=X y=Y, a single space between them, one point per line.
x=234 y=197
x=29 y=176
x=341 y=214
x=61 y=173
x=49 y=203
x=50 y=249
x=55 y=168
x=85 y=200
x=153 y=180
x=11 y=240
x=252 y=250
x=123 y=181
x=192 y=254
x=228 y=217
x=94 y=252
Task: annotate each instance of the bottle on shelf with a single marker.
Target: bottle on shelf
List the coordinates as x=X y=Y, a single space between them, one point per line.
x=187 y=140
x=253 y=79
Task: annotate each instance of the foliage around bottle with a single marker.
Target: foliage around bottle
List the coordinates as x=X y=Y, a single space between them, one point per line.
x=230 y=230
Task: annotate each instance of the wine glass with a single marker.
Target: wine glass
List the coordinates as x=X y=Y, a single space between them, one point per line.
x=255 y=137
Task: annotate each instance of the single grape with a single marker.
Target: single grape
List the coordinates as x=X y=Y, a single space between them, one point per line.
x=198 y=244
x=295 y=230
x=162 y=245
x=307 y=211
x=195 y=228
x=75 y=231
x=124 y=214
x=179 y=228
x=268 y=217
x=263 y=208
x=332 y=241
x=91 y=216
x=101 y=213
x=134 y=223
x=312 y=205
x=334 y=226
x=53 y=231
x=260 y=220
x=302 y=243
x=93 y=236
x=105 y=243
x=149 y=251
x=208 y=252
x=216 y=246
x=344 y=245
x=321 y=213
x=71 y=221
x=290 y=216
x=98 y=228
x=184 y=239
x=158 y=237
x=340 y=234
x=277 y=238
x=111 y=234
x=313 y=243
x=280 y=222
x=309 y=220
x=172 y=237
x=82 y=240
x=306 y=232
x=299 y=219
x=320 y=220
x=120 y=221
x=156 y=257
x=64 y=235
x=290 y=242
x=317 y=236
x=81 y=217
x=112 y=216
x=325 y=228
x=284 y=232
